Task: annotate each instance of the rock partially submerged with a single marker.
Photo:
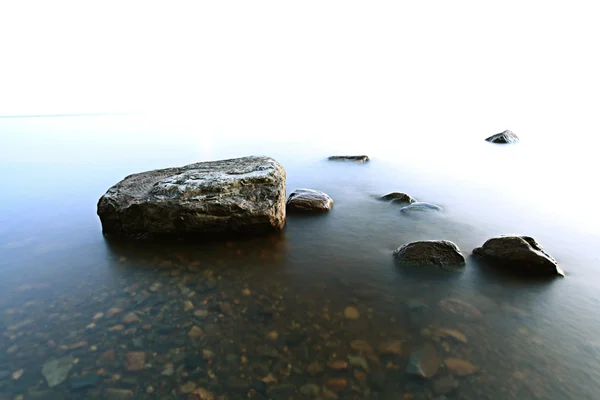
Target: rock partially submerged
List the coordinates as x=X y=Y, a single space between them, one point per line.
x=522 y=255
x=362 y=158
x=309 y=200
x=56 y=370
x=438 y=253
x=503 y=137
x=420 y=206
x=218 y=198
x=398 y=198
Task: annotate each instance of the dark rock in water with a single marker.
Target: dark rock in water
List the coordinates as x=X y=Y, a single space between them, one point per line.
x=218 y=198
x=308 y=200
x=362 y=158
x=398 y=198
x=420 y=206
x=438 y=253
x=503 y=137
x=85 y=382
x=424 y=362
x=522 y=255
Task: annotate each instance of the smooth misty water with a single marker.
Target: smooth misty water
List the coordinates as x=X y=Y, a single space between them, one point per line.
x=532 y=340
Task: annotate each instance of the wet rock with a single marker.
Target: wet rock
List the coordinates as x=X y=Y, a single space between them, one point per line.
x=453 y=333
x=118 y=394
x=84 y=382
x=460 y=307
x=113 y=311
x=437 y=253
x=169 y=371
x=445 y=385
x=358 y=362
x=131 y=318
x=521 y=255
x=227 y=197
x=226 y=308
x=314 y=368
x=267 y=352
x=108 y=355
x=338 y=365
x=424 y=362
x=460 y=367
x=420 y=206
x=135 y=361
x=391 y=347
x=272 y=335
x=201 y=314
x=503 y=137
x=201 y=394
x=308 y=200
x=55 y=371
x=188 y=306
x=310 y=389
x=398 y=198
x=359 y=159
x=351 y=313
x=211 y=282
x=195 y=332
x=338 y=384
x=116 y=328
x=361 y=346
x=18 y=374
x=155 y=287
x=187 y=387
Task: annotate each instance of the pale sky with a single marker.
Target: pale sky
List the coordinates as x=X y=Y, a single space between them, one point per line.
x=277 y=66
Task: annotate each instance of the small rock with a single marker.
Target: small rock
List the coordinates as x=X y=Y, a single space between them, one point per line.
x=168 y=371
x=360 y=159
x=269 y=379
x=246 y=292
x=201 y=314
x=154 y=287
x=131 y=318
x=149 y=390
x=310 y=389
x=226 y=308
x=360 y=376
x=211 y=282
x=338 y=384
x=135 y=361
x=207 y=354
x=351 y=313
x=445 y=385
x=453 y=333
x=308 y=200
x=187 y=306
x=147 y=327
x=195 y=332
x=460 y=367
x=112 y=312
x=56 y=370
x=424 y=362
x=116 y=328
x=503 y=137
x=391 y=347
x=314 y=368
x=118 y=394
x=272 y=335
x=438 y=253
x=267 y=351
x=97 y=316
x=361 y=346
x=358 y=362
x=201 y=394
x=18 y=374
x=396 y=197
x=12 y=349
x=338 y=365
x=187 y=387
x=108 y=355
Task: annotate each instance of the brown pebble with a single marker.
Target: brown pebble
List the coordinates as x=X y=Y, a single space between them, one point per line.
x=116 y=328
x=147 y=327
x=78 y=345
x=338 y=365
x=338 y=384
x=202 y=394
x=314 y=368
x=393 y=347
x=195 y=332
x=460 y=367
x=107 y=355
x=130 y=318
x=135 y=361
x=113 y=311
x=187 y=387
x=188 y=305
x=226 y=308
x=272 y=335
x=246 y=292
x=360 y=376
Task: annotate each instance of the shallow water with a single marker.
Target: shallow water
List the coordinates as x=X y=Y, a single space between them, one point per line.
x=524 y=339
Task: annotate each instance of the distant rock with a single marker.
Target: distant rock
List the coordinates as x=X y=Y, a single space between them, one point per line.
x=503 y=137
x=218 y=198
x=398 y=198
x=438 y=253
x=308 y=200
x=420 y=206
x=522 y=255
x=362 y=158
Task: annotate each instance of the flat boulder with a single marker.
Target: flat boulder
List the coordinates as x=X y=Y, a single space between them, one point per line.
x=420 y=206
x=232 y=197
x=503 y=137
x=362 y=158
x=398 y=198
x=522 y=255
x=437 y=253
x=309 y=201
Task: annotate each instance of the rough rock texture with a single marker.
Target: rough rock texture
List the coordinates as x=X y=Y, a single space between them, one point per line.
x=438 y=253
x=308 y=200
x=218 y=198
x=519 y=254
x=420 y=206
x=400 y=198
x=503 y=137
x=362 y=158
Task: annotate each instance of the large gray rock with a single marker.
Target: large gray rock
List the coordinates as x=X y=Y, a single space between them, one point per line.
x=503 y=137
x=218 y=198
x=520 y=254
x=438 y=253
x=309 y=200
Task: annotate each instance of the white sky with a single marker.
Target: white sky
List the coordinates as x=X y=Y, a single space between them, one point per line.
x=282 y=66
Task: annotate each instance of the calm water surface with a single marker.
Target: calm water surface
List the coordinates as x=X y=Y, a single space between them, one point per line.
x=262 y=318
